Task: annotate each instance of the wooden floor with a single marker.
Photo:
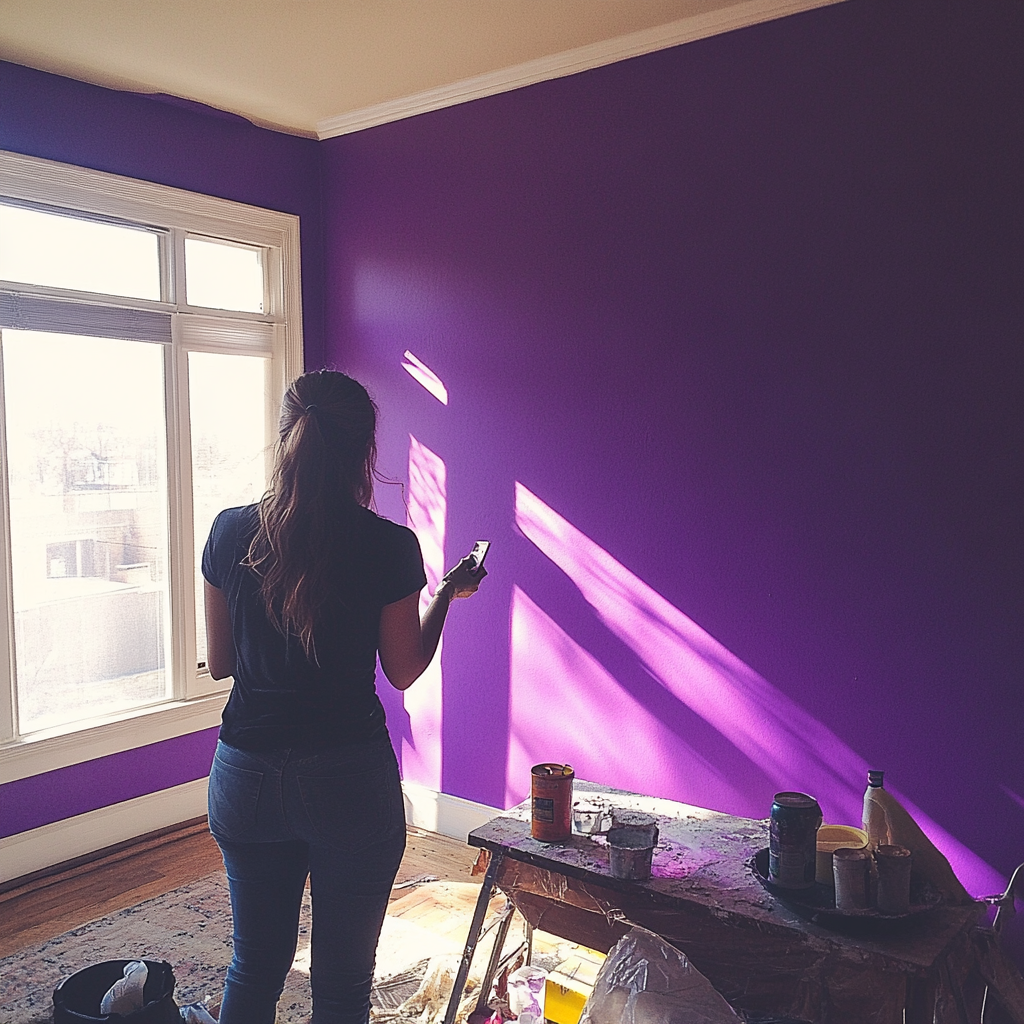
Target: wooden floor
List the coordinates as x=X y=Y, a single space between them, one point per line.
x=47 y=905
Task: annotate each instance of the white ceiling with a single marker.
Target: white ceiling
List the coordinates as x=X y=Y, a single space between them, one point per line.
x=325 y=67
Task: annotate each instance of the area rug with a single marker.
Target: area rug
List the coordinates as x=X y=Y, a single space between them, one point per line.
x=190 y=927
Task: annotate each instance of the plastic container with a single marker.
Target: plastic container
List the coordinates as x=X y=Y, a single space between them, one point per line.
x=830 y=839
x=526 y=991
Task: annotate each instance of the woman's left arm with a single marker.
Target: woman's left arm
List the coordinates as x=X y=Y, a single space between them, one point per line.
x=220 y=644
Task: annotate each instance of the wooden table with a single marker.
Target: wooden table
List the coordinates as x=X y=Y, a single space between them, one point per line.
x=704 y=899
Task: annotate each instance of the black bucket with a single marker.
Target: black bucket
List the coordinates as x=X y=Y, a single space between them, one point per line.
x=76 y=1000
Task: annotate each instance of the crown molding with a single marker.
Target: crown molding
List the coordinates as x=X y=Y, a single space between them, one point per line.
x=569 y=62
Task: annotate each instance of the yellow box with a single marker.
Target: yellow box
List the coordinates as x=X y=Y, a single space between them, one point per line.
x=569 y=985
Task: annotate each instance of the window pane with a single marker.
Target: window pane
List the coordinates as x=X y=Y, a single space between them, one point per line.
x=87 y=474
x=65 y=252
x=223 y=276
x=229 y=445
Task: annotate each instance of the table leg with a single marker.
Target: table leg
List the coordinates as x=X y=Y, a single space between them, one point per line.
x=492 y=964
x=474 y=936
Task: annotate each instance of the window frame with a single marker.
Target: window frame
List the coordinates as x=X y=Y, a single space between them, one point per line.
x=275 y=334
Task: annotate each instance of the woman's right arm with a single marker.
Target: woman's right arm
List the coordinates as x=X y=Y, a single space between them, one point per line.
x=220 y=644
x=407 y=642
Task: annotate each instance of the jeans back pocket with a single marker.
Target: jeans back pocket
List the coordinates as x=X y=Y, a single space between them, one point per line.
x=354 y=811
x=233 y=796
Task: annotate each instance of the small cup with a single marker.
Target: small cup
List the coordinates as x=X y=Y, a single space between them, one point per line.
x=893 y=863
x=832 y=838
x=850 y=868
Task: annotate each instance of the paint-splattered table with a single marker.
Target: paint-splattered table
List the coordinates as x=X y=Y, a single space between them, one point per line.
x=704 y=899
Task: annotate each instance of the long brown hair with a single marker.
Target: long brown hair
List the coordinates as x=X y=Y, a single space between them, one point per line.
x=325 y=458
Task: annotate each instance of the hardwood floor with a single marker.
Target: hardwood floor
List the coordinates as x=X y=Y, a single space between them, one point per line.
x=48 y=904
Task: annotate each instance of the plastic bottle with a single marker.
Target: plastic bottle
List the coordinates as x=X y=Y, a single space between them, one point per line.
x=875 y=819
x=888 y=823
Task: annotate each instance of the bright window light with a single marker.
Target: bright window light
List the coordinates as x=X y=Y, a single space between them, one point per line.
x=85 y=255
x=223 y=276
x=87 y=470
x=227 y=410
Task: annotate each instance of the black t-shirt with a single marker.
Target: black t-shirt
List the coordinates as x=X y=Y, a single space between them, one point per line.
x=281 y=698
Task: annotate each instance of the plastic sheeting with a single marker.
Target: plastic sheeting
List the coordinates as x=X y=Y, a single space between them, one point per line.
x=647 y=981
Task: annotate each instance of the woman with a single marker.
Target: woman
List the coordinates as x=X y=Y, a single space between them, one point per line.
x=303 y=591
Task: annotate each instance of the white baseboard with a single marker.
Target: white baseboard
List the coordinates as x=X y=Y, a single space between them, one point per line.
x=83 y=834
x=64 y=840
x=450 y=816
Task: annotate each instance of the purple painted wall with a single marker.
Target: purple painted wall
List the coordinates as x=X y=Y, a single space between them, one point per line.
x=191 y=147
x=104 y=781
x=743 y=320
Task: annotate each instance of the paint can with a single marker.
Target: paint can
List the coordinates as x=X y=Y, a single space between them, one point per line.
x=631 y=842
x=792 y=844
x=551 y=802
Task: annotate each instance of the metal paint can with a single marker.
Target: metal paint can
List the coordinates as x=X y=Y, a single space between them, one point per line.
x=792 y=845
x=631 y=842
x=551 y=802
x=894 y=864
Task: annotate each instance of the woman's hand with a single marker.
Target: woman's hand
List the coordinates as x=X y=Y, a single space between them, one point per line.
x=462 y=580
x=408 y=643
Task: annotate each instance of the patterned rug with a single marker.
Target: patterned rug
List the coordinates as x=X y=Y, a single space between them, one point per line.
x=191 y=928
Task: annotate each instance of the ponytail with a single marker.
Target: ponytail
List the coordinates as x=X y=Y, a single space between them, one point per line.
x=323 y=469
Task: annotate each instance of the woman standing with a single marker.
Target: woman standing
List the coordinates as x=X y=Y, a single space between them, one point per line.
x=303 y=591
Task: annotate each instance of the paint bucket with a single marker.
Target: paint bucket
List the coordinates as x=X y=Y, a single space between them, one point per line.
x=830 y=839
x=76 y=1000
x=551 y=802
x=631 y=842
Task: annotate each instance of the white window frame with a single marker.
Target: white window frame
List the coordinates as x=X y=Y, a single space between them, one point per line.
x=276 y=334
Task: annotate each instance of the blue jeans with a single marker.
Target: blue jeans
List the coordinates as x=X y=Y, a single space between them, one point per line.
x=280 y=816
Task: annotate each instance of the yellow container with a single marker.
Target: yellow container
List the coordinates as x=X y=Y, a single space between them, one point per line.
x=830 y=839
x=569 y=985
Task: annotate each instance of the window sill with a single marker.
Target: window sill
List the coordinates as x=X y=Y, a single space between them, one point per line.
x=73 y=744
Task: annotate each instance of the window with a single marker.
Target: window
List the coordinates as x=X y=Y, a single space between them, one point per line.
x=145 y=338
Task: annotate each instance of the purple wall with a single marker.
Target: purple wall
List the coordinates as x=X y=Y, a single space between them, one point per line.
x=104 y=781
x=743 y=318
x=190 y=147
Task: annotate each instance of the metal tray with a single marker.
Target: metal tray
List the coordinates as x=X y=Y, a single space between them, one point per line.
x=818 y=903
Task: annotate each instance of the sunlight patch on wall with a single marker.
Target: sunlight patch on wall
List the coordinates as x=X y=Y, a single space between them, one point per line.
x=565 y=706
x=790 y=746
x=423 y=374
x=428 y=507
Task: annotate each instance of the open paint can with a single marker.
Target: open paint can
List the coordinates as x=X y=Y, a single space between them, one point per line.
x=551 y=802
x=631 y=842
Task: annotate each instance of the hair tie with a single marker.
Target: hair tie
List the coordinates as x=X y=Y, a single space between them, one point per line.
x=312 y=407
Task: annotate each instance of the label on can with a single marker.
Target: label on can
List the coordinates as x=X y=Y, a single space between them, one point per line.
x=543 y=809
x=792 y=849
